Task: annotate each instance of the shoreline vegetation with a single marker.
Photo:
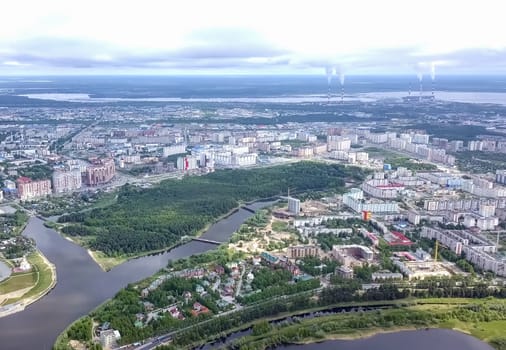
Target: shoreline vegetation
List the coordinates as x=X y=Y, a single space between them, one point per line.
x=482 y=319
x=107 y=263
x=388 y=309
x=150 y=221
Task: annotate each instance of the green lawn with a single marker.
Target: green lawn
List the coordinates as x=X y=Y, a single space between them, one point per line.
x=482 y=330
x=376 y=152
x=278 y=226
x=107 y=262
x=40 y=279
x=17 y=282
x=45 y=275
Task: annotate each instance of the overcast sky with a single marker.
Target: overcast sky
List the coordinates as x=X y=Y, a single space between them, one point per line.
x=252 y=37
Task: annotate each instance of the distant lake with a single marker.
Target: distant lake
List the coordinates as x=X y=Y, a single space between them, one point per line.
x=432 y=339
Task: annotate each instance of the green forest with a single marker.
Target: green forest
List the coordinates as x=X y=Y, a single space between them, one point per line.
x=144 y=220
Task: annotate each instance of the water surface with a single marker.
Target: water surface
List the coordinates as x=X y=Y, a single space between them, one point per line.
x=83 y=285
x=433 y=339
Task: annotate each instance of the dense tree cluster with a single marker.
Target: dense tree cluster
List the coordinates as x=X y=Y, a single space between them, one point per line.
x=454 y=131
x=151 y=219
x=279 y=290
x=315 y=266
x=279 y=297
x=265 y=277
x=408 y=163
x=80 y=330
x=319 y=328
x=37 y=172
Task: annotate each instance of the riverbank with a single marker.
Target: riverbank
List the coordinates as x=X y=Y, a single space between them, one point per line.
x=107 y=263
x=44 y=279
x=485 y=320
x=495 y=342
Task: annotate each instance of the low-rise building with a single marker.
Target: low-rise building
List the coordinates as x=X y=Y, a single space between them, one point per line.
x=302 y=251
x=355 y=200
x=377 y=276
x=420 y=270
x=344 y=272
x=109 y=338
x=352 y=255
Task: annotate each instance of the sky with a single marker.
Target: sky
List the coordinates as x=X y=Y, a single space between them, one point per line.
x=252 y=37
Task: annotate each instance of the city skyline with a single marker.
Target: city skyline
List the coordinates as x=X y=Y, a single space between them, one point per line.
x=224 y=37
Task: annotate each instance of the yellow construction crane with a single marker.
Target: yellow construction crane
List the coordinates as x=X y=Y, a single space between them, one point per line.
x=436 y=250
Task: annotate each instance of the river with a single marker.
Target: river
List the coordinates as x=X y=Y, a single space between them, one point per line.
x=5 y=271
x=433 y=339
x=83 y=285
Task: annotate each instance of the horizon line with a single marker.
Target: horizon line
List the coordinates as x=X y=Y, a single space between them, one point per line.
x=196 y=75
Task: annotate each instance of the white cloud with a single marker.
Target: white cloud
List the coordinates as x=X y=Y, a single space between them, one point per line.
x=357 y=34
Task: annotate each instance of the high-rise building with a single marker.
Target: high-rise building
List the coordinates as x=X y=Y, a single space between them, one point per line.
x=420 y=139
x=100 y=172
x=487 y=210
x=500 y=177
x=187 y=163
x=29 y=189
x=174 y=149
x=338 y=143
x=294 y=205
x=66 y=180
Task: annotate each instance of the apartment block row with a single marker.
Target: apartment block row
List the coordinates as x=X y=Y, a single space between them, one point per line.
x=477 y=250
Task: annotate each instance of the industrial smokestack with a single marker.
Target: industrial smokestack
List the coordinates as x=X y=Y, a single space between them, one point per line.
x=420 y=78
x=328 y=72
x=433 y=77
x=341 y=80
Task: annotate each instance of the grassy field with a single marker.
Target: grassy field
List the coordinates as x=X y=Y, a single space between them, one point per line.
x=279 y=226
x=376 y=152
x=398 y=159
x=41 y=279
x=45 y=275
x=482 y=330
x=107 y=262
x=18 y=281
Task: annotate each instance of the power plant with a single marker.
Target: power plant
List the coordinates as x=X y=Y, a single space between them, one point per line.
x=421 y=97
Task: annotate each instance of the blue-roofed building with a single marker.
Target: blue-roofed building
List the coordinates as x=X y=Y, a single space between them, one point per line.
x=271 y=259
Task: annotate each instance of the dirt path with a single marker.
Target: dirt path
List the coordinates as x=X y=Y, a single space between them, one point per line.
x=16 y=294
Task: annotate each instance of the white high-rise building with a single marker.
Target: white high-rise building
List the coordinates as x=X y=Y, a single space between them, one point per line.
x=66 y=180
x=420 y=138
x=187 y=163
x=338 y=143
x=293 y=205
x=174 y=149
x=475 y=145
x=487 y=210
x=378 y=138
x=500 y=177
x=244 y=159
